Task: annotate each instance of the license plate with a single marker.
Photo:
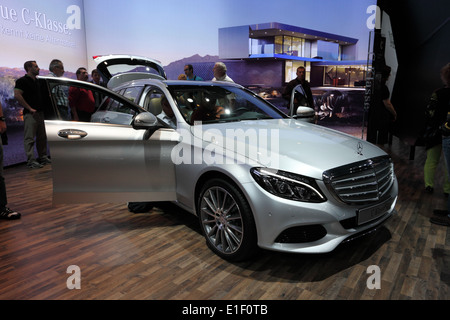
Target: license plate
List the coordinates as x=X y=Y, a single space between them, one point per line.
x=371 y=213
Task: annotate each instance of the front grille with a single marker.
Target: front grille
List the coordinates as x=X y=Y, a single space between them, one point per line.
x=361 y=182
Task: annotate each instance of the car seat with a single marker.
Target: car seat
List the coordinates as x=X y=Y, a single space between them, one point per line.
x=154 y=106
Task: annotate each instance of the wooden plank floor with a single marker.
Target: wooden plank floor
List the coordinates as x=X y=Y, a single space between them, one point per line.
x=162 y=255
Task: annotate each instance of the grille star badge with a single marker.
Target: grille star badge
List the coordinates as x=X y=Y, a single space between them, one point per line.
x=359 y=148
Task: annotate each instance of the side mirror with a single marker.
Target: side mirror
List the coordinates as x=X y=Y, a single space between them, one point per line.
x=145 y=120
x=299 y=105
x=298 y=98
x=306 y=114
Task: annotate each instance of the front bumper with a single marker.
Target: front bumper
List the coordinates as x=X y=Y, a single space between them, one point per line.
x=292 y=226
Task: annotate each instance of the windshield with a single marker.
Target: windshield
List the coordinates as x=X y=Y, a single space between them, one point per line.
x=212 y=104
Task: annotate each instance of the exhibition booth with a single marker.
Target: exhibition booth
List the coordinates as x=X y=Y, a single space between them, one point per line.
x=262 y=57
x=139 y=205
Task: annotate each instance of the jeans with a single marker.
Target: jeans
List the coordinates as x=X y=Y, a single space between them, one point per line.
x=446 y=150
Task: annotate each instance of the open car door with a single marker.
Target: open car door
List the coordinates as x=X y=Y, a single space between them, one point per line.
x=109 y=162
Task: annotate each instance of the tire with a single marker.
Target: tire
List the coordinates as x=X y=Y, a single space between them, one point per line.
x=226 y=221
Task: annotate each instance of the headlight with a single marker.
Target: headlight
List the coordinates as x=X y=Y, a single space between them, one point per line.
x=288 y=185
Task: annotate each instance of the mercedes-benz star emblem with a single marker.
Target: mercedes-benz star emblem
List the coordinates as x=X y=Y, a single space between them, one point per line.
x=359 y=148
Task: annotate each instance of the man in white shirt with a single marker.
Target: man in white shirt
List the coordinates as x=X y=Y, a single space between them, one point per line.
x=220 y=72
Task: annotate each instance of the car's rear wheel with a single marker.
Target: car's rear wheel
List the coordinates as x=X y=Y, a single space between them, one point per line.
x=227 y=221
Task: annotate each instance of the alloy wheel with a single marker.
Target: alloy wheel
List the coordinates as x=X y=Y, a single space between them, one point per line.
x=221 y=220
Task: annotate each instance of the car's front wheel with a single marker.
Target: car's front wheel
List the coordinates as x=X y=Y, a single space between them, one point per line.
x=227 y=221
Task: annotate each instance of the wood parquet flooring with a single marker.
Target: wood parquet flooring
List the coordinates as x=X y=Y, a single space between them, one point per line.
x=161 y=255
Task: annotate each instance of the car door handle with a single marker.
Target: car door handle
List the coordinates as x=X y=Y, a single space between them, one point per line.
x=72 y=134
x=106 y=120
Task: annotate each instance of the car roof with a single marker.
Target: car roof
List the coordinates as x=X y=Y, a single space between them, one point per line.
x=149 y=81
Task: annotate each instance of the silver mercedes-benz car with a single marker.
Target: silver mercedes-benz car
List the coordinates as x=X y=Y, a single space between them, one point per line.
x=255 y=177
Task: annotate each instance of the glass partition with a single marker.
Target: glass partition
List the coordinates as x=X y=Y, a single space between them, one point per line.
x=291 y=69
x=344 y=76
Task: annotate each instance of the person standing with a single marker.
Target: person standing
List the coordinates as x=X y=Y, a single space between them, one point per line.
x=300 y=79
x=220 y=72
x=56 y=68
x=189 y=72
x=5 y=212
x=382 y=114
x=442 y=217
x=27 y=92
x=435 y=116
x=81 y=101
x=96 y=79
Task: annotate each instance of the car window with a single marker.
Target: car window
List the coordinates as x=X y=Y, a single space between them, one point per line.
x=82 y=102
x=92 y=104
x=221 y=104
x=132 y=93
x=152 y=101
x=158 y=104
x=112 y=105
x=60 y=95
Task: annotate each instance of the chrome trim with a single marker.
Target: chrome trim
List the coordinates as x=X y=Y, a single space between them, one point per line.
x=362 y=182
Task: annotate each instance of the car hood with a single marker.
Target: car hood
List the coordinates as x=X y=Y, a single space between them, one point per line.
x=284 y=144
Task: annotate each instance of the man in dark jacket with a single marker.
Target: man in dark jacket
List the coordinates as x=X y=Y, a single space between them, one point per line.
x=308 y=99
